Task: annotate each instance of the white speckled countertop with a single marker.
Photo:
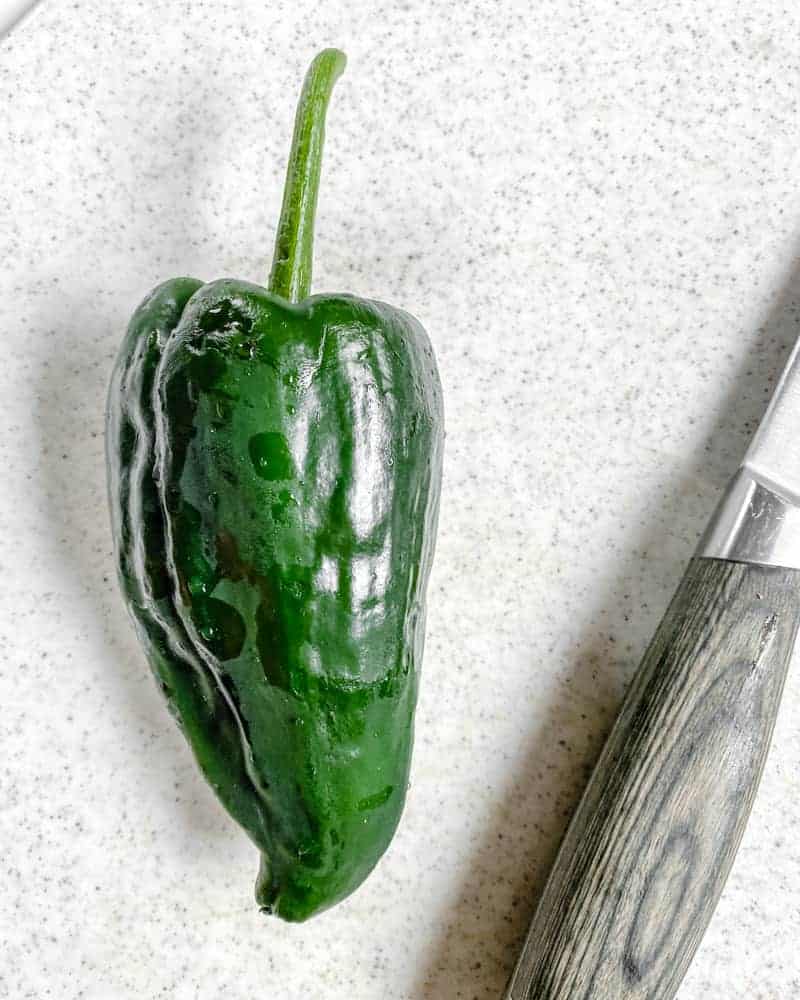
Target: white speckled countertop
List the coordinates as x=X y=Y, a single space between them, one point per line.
x=595 y=211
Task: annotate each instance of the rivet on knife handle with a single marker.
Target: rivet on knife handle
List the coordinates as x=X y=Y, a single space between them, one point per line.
x=648 y=851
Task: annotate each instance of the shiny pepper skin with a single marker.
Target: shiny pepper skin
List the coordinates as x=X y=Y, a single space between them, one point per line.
x=274 y=472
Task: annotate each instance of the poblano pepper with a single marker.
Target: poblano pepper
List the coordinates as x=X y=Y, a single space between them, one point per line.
x=274 y=470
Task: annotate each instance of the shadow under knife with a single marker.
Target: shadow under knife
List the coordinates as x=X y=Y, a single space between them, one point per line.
x=486 y=928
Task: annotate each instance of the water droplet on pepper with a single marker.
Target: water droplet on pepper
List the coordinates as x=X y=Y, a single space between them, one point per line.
x=270 y=455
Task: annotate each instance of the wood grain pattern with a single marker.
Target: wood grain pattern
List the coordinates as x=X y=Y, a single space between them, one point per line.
x=646 y=856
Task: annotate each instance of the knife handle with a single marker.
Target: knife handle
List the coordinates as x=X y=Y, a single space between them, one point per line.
x=645 y=858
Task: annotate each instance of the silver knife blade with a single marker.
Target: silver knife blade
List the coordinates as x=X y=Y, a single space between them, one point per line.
x=758 y=518
x=774 y=453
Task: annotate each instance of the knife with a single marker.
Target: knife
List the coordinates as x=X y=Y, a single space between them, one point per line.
x=648 y=850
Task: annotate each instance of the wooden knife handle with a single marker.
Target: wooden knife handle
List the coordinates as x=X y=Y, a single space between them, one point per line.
x=645 y=858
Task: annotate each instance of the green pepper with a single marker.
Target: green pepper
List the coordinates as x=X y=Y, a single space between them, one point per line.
x=274 y=472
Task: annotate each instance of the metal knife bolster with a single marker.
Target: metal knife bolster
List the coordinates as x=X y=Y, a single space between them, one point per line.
x=754 y=523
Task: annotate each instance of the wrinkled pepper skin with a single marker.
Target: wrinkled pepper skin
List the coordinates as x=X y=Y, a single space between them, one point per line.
x=275 y=475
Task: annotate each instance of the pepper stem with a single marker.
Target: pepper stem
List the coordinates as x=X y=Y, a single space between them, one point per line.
x=294 y=245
